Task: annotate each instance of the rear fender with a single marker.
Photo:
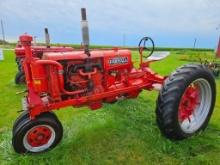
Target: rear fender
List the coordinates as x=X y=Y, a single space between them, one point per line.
x=157 y=56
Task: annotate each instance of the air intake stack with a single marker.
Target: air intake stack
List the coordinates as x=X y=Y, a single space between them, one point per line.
x=85 y=31
x=47 y=37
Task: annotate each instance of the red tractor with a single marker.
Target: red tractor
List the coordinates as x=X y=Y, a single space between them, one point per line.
x=91 y=77
x=38 y=52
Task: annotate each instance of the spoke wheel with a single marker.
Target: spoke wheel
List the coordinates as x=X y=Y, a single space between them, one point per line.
x=194 y=105
x=186 y=102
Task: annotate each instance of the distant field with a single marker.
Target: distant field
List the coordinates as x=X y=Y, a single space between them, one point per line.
x=121 y=133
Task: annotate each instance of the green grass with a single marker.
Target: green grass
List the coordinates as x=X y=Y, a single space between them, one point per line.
x=122 y=133
x=198 y=56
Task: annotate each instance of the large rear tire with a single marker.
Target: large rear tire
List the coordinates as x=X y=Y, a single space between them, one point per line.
x=186 y=102
x=216 y=72
x=38 y=135
x=20 y=78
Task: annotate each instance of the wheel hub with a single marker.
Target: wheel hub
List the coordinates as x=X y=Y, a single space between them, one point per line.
x=189 y=101
x=39 y=136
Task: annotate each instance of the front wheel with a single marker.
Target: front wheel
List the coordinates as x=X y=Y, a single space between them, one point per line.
x=186 y=102
x=38 y=135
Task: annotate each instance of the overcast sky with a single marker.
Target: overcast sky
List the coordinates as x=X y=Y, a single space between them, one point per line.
x=172 y=23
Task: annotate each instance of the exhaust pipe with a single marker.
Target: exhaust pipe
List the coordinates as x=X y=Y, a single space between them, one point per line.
x=47 y=37
x=85 y=31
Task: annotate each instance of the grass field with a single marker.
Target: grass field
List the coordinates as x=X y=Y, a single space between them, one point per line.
x=122 y=133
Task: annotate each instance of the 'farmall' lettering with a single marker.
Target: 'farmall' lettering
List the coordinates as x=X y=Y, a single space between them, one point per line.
x=118 y=60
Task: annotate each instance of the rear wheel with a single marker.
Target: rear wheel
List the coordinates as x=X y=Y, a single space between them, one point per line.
x=38 y=135
x=20 y=78
x=216 y=72
x=186 y=102
x=19 y=63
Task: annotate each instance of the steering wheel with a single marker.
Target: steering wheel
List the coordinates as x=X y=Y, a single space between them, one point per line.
x=147 y=44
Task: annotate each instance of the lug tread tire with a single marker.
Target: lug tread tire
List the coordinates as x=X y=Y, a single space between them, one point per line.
x=170 y=96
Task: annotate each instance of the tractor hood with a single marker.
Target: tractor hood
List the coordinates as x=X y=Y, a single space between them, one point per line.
x=80 y=55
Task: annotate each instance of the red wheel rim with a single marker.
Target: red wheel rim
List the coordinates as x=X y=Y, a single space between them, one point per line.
x=189 y=102
x=195 y=105
x=39 y=136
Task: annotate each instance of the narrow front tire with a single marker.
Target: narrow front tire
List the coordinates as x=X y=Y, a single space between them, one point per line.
x=38 y=135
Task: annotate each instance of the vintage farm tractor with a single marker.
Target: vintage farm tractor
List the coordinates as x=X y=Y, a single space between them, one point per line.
x=37 y=51
x=91 y=77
